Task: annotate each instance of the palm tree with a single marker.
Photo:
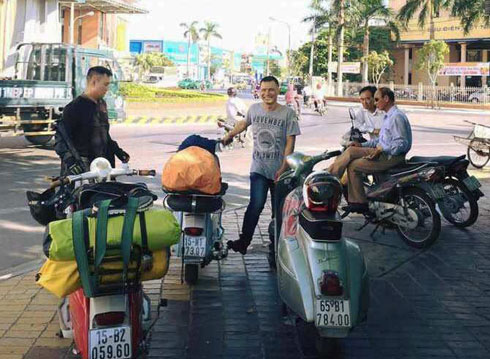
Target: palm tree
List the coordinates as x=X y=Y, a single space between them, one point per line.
x=428 y=9
x=192 y=35
x=324 y=17
x=469 y=12
x=364 y=12
x=208 y=32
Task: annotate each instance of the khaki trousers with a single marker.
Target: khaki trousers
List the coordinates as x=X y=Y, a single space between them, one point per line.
x=353 y=162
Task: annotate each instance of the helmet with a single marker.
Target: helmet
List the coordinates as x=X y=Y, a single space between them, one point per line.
x=232 y=91
x=322 y=192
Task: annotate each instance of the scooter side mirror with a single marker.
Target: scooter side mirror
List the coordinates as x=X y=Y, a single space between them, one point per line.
x=352 y=113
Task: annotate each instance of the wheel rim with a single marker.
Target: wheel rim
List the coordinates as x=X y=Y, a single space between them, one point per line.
x=457 y=205
x=478 y=153
x=425 y=219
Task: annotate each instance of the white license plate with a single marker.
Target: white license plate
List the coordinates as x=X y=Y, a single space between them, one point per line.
x=194 y=246
x=472 y=183
x=110 y=343
x=333 y=313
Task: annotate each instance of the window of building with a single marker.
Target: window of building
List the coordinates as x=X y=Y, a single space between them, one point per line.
x=79 y=32
x=473 y=55
x=42 y=12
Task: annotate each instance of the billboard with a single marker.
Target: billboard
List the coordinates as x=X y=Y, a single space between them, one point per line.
x=446 y=28
x=347 y=67
x=465 y=68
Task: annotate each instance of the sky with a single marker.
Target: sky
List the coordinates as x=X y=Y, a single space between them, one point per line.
x=239 y=21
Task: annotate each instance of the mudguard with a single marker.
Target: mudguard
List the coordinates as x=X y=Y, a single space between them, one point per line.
x=301 y=262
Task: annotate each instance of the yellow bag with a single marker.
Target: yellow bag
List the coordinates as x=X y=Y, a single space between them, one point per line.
x=61 y=277
x=192 y=169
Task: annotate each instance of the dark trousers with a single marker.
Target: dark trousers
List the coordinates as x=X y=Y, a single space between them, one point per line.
x=259 y=187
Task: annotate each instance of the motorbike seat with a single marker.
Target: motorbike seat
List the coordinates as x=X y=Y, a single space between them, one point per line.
x=440 y=160
x=405 y=169
x=193 y=203
x=222 y=192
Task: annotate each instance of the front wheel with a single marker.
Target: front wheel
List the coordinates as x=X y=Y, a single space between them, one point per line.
x=459 y=206
x=191 y=273
x=423 y=222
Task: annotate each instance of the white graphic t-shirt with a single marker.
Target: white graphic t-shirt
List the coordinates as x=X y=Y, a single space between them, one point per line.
x=270 y=131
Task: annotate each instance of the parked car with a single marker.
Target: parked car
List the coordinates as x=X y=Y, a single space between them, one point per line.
x=482 y=95
x=188 y=84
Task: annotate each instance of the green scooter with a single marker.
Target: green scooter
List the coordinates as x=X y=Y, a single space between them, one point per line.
x=322 y=277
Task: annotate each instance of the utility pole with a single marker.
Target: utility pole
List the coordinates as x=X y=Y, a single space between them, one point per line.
x=72 y=21
x=268 y=51
x=340 y=51
x=312 y=50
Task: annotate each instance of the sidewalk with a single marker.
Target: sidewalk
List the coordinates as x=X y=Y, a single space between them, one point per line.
x=424 y=304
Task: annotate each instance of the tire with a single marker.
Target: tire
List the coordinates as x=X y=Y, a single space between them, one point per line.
x=39 y=140
x=475 y=100
x=453 y=187
x=35 y=140
x=326 y=347
x=191 y=273
x=478 y=159
x=423 y=206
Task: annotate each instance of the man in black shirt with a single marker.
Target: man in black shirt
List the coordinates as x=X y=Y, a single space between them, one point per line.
x=83 y=132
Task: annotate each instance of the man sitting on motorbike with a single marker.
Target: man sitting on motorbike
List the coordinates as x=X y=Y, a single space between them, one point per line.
x=368 y=119
x=319 y=93
x=292 y=98
x=377 y=155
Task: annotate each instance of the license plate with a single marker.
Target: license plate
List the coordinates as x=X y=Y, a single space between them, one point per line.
x=438 y=191
x=110 y=343
x=194 y=246
x=472 y=183
x=333 y=313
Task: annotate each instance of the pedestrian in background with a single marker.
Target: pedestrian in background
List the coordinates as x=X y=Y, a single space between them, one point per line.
x=274 y=129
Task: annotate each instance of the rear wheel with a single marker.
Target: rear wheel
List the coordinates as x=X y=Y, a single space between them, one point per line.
x=191 y=273
x=478 y=153
x=459 y=206
x=424 y=223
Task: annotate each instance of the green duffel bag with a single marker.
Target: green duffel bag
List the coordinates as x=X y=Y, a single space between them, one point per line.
x=162 y=229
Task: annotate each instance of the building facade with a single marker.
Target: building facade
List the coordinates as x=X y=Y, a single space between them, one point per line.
x=97 y=24
x=465 y=49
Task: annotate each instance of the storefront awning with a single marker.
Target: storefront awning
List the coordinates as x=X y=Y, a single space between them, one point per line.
x=109 y=6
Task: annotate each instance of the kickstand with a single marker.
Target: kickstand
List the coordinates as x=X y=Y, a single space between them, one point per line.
x=366 y=222
x=374 y=231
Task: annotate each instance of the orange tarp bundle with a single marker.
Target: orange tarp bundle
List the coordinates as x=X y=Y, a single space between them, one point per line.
x=192 y=169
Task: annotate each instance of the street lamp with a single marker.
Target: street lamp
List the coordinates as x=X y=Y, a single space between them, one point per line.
x=289 y=42
x=73 y=19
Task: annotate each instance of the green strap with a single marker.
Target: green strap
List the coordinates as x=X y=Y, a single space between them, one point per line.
x=101 y=232
x=79 y=246
x=127 y=232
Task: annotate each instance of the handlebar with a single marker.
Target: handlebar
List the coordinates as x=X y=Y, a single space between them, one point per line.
x=113 y=173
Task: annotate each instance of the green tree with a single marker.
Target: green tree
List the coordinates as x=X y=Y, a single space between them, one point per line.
x=427 y=10
x=151 y=59
x=208 y=32
x=192 y=35
x=378 y=63
x=470 y=12
x=274 y=68
x=431 y=58
x=364 y=12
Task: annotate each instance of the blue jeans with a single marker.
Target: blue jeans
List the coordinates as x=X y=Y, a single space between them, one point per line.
x=259 y=186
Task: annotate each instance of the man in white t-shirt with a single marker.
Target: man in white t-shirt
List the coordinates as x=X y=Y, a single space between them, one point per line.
x=368 y=118
x=235 y=107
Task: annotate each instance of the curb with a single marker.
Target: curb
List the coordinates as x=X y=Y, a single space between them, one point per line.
x=177 y=120
x=21 y=269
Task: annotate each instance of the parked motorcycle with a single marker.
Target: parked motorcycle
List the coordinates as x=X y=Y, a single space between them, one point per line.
x=203 y=235
x=399 y=198
x=114 y=322
x=457 y=193
x=322 y=276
